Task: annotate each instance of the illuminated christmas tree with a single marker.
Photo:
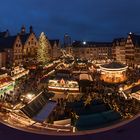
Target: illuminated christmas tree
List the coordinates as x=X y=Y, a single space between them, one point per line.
x=43 y=55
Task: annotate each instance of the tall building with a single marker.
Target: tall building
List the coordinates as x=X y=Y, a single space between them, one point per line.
x=132 y=49
x=30 y=45
x=67 y=40
x=17 y=48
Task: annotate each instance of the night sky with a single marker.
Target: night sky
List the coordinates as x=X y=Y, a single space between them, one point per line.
x=95 y=20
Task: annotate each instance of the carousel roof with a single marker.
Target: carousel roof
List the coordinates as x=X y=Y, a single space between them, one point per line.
x=113 y=65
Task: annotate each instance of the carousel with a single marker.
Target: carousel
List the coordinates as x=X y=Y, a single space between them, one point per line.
x=113 y=72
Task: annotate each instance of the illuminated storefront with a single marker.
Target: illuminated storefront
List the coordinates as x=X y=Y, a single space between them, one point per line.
x=63 y=86
x=18 y=72
x=113 y=72
x=6 y=84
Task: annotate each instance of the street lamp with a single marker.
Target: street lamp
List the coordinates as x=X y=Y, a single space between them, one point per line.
x=120 y=89
x=84 y=43
x=29 y=96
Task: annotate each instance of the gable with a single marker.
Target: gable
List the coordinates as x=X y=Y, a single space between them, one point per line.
x=133 y=39
x=17 y=43
x=31 y=41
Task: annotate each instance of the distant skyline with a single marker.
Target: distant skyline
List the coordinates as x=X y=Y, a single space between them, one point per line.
x=88 y=20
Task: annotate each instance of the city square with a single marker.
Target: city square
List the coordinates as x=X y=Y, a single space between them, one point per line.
x=69 y=70
x=64 y=94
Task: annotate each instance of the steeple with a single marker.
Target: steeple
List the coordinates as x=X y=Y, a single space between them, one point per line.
x=31 y=29
x=23 y=30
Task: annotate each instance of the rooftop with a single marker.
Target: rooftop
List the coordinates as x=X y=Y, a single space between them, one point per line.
x=85 y=77
x=52 y=42
x=91 y=44
x=24 y=37
x=7 y=42
x=113 y=65
x=118 y=41
x=135 y=39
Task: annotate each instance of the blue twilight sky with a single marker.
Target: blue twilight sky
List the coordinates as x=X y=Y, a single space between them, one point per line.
x=96 y=20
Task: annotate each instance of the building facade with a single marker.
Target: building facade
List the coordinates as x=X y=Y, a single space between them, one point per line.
x=55 y=49
x=7 y=44
x=19 y=49
x=30 y=45
x=118 y=50
x=91 y=50
x=132 y=50
x=2 y=59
